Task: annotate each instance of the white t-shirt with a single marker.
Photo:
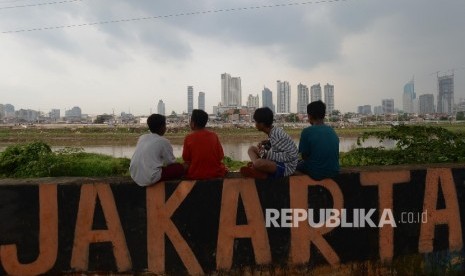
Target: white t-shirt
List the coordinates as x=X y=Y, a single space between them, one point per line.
x=151 y=154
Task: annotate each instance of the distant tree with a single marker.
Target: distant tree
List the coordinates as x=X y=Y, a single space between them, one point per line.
x=101 y=119
x=173 y=114
x=460 y=116
x=292 y=118
x=336 y=113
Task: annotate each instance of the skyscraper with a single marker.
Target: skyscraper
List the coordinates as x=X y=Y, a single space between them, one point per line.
x=284 y=97
x=161 y=108
x=315 y=93
x=329 y=98
x=54 y=115
x=267 y=99
x=190 y=99
x=364 y=109
x=302 y=98
x=388 y=106
x=253 y=101
x=409 y=97
x=9 y=110
x=426 y=104
x=201 y=102
x=445 y=94
x=231 y=91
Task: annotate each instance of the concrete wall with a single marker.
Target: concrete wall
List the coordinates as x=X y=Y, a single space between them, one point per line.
x=59 y=225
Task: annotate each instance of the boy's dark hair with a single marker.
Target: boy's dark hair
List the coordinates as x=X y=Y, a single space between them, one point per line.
x=156 y=122
x=263 y=115
x=316 y=109
x=199 y=117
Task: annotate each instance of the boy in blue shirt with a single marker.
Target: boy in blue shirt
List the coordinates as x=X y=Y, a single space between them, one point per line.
x=319 y=145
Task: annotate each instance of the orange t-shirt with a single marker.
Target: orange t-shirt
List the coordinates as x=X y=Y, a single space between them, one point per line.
x=203 y=150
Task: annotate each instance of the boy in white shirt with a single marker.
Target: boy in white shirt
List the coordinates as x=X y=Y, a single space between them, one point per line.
x=153 y=159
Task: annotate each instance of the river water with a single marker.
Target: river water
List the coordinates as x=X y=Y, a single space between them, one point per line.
x=235 y=150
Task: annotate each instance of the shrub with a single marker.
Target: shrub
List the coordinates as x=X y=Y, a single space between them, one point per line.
x=37 y=160
x=26 y=160
x=414 y=145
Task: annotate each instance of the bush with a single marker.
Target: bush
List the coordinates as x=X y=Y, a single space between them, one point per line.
x=26 y=160
x=37 y=160
x=414 y=145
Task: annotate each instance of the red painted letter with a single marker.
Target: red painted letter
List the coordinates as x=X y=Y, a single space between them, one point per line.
x=159 y=223
x=303 y=236
x=254 y=229
x=449 y=216
x=84 y=235
x=48 y=238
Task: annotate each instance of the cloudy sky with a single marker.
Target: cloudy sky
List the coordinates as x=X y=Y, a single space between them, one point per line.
x=368 y=49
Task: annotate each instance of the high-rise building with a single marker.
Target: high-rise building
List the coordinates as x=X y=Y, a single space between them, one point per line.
x=284 y=97
x=161 y=108
x=253 y=101
x=364 y=110
x=445 y=94
x=315 y=93
x=9 y=110
x=378 y=110
x=201 y=101
x=73 y=113
x=426 y=104
x=302 y=98
x=267 y=99
x=27 y=115
x=231 y=91
x=190 y=99
x=54 y=115
x=329 y=98
x=388 y=106
x=409 y=97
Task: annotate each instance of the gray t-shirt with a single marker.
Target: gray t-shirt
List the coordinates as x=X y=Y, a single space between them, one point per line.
x=151 y=154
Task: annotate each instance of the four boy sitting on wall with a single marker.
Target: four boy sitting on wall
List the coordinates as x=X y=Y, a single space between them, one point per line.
x=277 y=157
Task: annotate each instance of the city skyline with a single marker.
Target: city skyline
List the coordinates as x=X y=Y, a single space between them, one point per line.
x=410 y=104
x=367 y=49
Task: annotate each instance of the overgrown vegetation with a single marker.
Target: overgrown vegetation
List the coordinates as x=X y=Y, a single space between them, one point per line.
x=414 y=145
x=37 y=160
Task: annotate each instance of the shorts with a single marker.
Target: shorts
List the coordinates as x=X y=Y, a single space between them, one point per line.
x=280 y=170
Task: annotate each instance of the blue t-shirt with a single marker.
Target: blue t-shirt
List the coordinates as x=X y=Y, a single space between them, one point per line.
x=319 y=146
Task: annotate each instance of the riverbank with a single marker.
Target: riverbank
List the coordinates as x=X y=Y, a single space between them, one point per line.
x=82 y=135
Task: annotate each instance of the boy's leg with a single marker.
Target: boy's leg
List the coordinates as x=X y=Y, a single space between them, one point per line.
x=253 y=153
x=172 y=171
x=265 y=165
x=260 y=168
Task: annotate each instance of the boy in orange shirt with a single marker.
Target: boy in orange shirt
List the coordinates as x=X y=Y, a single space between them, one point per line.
x=202 y=151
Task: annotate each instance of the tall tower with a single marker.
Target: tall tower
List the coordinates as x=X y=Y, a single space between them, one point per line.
x=284 y=97
x=426 y=104
x=253 y=101
x=161 y=107
x=231 y=91
x=409 y=97
x=329 y=98
x=267 y=99
x=201 y=99
x=387 y=106
x=446 y=94
x=302 y=98
x=190 y=99
x=315 y=93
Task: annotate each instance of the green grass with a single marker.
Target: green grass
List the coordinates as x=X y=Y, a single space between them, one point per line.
x=37 y=160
